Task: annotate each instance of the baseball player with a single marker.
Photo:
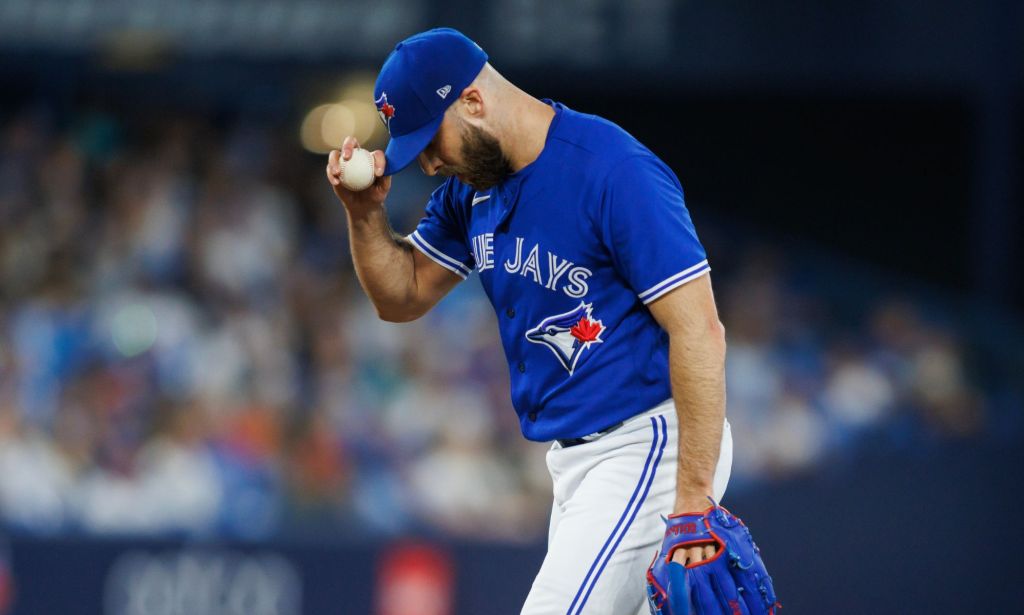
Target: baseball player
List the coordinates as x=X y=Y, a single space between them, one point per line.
x=584 y=246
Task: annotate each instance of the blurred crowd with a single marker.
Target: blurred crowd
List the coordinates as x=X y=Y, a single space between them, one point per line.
x=184 y=349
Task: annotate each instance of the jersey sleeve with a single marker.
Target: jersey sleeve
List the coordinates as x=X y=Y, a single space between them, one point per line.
x=441 y=234
x=648 y=229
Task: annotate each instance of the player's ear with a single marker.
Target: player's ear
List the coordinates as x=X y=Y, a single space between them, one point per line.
x=472 y=102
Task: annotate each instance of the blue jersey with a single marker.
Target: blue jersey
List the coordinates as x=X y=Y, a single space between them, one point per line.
x=570 y=249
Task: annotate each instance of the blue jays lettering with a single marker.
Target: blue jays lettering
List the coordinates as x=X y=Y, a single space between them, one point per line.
x=550 y=271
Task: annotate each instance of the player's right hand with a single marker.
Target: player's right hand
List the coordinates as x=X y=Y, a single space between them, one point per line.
x=364 y=200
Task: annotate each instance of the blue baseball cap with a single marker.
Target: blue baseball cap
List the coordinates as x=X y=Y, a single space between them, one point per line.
x=419 y=80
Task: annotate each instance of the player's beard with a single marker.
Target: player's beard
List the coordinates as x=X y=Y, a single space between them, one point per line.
x=485 y=164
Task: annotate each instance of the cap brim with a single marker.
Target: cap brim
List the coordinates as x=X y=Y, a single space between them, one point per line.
x=403 y=150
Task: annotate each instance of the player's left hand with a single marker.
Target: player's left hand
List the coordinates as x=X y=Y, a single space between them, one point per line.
x=685 y=556
x=709 y=565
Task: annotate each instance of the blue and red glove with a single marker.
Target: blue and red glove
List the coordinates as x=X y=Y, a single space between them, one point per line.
x=733 y=582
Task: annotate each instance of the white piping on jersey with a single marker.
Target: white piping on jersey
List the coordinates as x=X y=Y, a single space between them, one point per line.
x=674 y=281
x=479 y=199
x=438 y=256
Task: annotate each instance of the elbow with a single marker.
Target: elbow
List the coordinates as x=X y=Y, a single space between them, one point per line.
x=711 y=338
x=708 y=338
x=395 y=318
x=397 y=314
x=718 y=331
x=711 y=343
x=720 y=337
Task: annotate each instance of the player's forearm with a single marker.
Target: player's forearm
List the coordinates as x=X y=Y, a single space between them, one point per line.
x=384 y=265
x=697 y=366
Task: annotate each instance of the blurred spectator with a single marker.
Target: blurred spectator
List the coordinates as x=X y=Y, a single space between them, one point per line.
x=184 y=349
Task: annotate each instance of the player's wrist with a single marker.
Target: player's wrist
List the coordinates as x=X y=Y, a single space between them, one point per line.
x=692 y=502
x=361 y=211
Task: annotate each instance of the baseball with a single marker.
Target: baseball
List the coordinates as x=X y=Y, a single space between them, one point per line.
x=357 y=171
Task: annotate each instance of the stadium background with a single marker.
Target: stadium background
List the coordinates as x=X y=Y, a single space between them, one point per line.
x=199 y=412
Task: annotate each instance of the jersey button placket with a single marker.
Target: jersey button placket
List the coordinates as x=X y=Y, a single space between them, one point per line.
x=510 y=312
x=521 y=367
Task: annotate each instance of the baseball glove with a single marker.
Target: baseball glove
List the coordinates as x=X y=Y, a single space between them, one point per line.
x=733 y=582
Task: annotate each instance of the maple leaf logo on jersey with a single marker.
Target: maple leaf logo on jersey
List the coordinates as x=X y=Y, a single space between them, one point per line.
x=568 y=335
x=385 y=110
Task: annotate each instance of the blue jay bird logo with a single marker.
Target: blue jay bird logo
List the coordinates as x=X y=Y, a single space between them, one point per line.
x=568 y=335
x=385 y=110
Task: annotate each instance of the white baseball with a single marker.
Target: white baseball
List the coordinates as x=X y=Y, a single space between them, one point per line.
x=357 y=171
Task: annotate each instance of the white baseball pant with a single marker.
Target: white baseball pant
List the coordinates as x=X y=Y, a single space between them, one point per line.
x=609 y=495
